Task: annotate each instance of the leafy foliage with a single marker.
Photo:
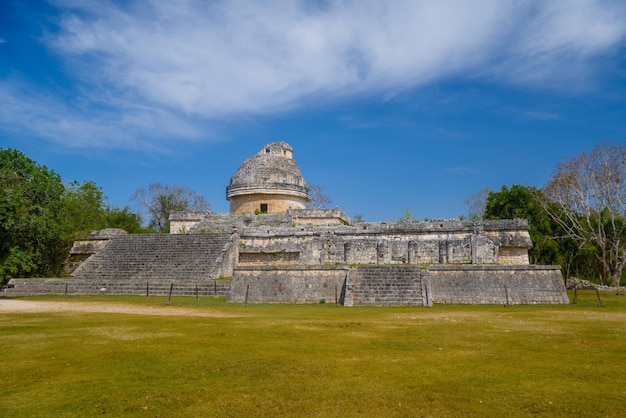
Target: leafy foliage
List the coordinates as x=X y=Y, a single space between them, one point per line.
x=125 y=219
x=84 y=210
x=524 y=202
x=407 y=216
x=30 y=198
x=40 y=217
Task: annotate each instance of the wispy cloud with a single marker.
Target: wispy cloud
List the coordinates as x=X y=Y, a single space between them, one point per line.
x=181 y=60
x=43 y=116
x=2 y=41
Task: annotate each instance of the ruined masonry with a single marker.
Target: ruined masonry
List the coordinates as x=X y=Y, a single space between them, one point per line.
x=271 y=249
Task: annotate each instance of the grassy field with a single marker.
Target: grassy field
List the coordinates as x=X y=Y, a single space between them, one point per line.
x=315 y=360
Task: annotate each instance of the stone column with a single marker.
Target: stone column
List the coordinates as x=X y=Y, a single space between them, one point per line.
x=348 y=255
x=381 y=251
x=411 y=254
x=443 y=252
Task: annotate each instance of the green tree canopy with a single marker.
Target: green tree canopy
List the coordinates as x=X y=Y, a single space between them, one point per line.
x=524 y=202
x=40 y=217
x=84 y=210
x=30 y=198
x=125 y=219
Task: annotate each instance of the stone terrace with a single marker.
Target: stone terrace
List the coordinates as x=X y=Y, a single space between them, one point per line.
x=157 y=257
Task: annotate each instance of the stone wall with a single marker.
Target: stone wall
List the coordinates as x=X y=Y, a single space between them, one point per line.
x=183 y=222
x=23 y=287
x=276 y=203
x=442 y=242
x=287 y=284
x=482 y=284
x=513 y=256
x=318 y=217
x=400 y=285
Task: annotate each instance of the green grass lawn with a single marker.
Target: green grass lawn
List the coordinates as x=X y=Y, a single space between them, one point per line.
x=316 y=360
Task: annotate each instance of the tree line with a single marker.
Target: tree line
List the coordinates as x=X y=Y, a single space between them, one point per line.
x=41 y=216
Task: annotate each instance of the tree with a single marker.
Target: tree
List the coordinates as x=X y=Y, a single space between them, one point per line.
x=82 y=210
x=123 y=218
x=317 y=198
x=30 y=197
x=524 y=202
x=40 y=217
x=358 y=218
x=407 y=216
x=476 y=204
x=158 y=201
x=587 y=198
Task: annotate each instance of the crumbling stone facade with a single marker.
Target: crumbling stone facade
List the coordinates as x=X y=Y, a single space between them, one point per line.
x=294 y=255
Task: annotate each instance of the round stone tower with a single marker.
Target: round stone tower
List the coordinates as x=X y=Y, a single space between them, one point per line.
x=269 y=182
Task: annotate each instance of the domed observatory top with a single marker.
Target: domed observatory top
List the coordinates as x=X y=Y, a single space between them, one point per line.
x=269 y=182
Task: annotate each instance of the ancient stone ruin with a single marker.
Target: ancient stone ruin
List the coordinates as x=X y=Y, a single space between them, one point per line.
x=270 y=249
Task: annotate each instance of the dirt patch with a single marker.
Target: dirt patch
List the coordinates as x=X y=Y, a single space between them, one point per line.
x=28 y=306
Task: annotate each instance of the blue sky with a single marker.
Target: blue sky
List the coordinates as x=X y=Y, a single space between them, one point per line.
x=388 y=105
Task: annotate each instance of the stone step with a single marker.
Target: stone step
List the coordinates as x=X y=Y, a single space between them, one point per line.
x=176 y=257
x=387 y=285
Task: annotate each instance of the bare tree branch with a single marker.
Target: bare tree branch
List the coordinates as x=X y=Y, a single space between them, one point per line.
x=158 y=201
x=586 y=197
x=477 y=203
x=317 y=198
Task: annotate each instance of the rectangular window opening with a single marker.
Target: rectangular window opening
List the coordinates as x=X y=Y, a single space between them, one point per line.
x=263 y=207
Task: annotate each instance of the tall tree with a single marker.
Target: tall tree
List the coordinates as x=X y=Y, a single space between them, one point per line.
x=159 y=200
x=82 y=210
x=40 y=217
x=30 y=197
x=587 y=198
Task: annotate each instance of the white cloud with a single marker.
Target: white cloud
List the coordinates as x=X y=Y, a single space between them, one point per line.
x=214 y=59
x=45 y=116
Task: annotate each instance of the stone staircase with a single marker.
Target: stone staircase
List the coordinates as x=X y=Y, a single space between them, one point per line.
x=24 y=287
x=386 y=286
x=175 y=258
